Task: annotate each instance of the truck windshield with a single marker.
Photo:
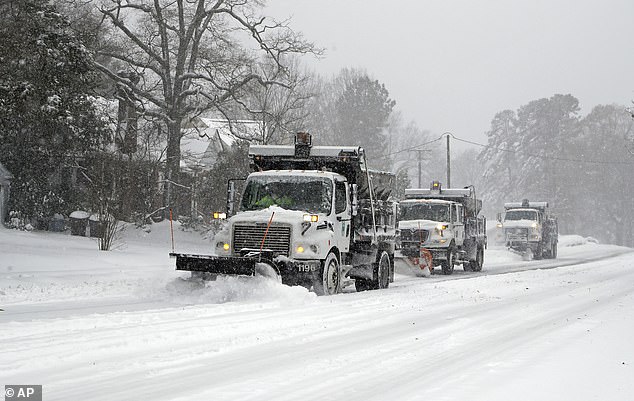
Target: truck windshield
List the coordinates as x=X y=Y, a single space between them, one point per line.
x=424 y=211
x=521 y=215
x=293 y=192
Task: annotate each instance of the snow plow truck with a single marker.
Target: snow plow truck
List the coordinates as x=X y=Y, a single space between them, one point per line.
x=440 y=226
x=314 y=216
x=530 y=229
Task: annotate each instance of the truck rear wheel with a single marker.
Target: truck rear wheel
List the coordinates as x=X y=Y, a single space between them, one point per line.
x=330 y=282
x=476 y=264
x=382 y=272
x=448 y=264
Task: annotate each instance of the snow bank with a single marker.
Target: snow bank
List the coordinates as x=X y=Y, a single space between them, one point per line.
x=576 y=240
x=231 y=289
x=45 y=267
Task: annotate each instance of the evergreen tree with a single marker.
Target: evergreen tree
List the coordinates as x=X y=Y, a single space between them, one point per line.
x=362 y=113
x=47 y=115
x=501 y=168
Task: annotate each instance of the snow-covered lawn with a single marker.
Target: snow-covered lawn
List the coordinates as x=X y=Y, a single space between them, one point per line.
x=98 y=325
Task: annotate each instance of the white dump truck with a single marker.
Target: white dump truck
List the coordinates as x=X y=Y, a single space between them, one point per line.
x=440 y=226
x=315 y=216
x=530 y=229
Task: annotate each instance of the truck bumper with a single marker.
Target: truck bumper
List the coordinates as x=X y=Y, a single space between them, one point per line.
x=522 y=245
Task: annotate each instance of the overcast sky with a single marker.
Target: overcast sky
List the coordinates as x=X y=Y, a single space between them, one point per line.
x=452 y=64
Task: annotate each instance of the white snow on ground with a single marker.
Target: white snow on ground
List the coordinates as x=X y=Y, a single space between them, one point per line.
x=88 y=324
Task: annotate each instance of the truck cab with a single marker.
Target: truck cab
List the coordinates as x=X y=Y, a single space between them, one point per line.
x=309 y=213
x=434 y=223
x=529 y=229
x=444 y=223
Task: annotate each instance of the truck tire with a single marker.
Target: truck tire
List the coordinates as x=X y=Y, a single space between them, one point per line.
x=448 y=264
x=330 y=277
x=362 y=285
x=383 y=267
x=539 y=252
x=476 y=265
x=382 y=271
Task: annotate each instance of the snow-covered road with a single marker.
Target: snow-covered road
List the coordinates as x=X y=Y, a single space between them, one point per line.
x=121 y=325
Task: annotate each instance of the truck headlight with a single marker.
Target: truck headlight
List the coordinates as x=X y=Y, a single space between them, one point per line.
x=223 y=245
x=440 y=228
x=312 y=218
x=534 y=225
x=303 y=248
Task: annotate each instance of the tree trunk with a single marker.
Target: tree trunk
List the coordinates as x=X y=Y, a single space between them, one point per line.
x=173 y=154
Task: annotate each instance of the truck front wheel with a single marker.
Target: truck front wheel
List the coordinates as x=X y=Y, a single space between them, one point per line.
x=448 y=264
x=330 y=282
x=476 y=264
x=539 y=252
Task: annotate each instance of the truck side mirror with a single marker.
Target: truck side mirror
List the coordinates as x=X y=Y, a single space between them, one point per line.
x=499 y=217
x=354 y=198
x=231 y=193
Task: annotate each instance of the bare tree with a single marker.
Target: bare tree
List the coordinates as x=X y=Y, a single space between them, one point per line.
x=282 y=110
x=176 y=59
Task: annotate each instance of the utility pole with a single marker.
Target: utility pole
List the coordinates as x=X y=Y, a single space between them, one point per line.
x=419 y=167
x=448 y=162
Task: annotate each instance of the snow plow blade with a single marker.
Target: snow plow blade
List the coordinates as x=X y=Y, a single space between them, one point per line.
x=420 y=266
x=231 y=265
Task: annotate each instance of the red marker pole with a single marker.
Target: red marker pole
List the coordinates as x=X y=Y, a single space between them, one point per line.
x=265 y=233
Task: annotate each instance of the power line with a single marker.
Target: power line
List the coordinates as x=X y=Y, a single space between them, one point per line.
x=541 y=156
x=413 y=147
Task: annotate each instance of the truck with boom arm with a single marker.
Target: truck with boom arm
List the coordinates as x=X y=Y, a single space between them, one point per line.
x=443 y=227
x=315 y=216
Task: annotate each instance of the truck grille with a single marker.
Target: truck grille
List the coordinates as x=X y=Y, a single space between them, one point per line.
x=413 y=235
x=516 y=234
x=278 y=239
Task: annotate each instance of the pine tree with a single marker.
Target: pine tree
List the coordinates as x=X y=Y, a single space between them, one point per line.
x=47 y=115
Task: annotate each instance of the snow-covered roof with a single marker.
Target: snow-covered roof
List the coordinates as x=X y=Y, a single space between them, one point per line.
x=422 y=193
x=203 y=138
x=298 y=173
x=285 y=150
x=526 y=205
x=430 y=201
